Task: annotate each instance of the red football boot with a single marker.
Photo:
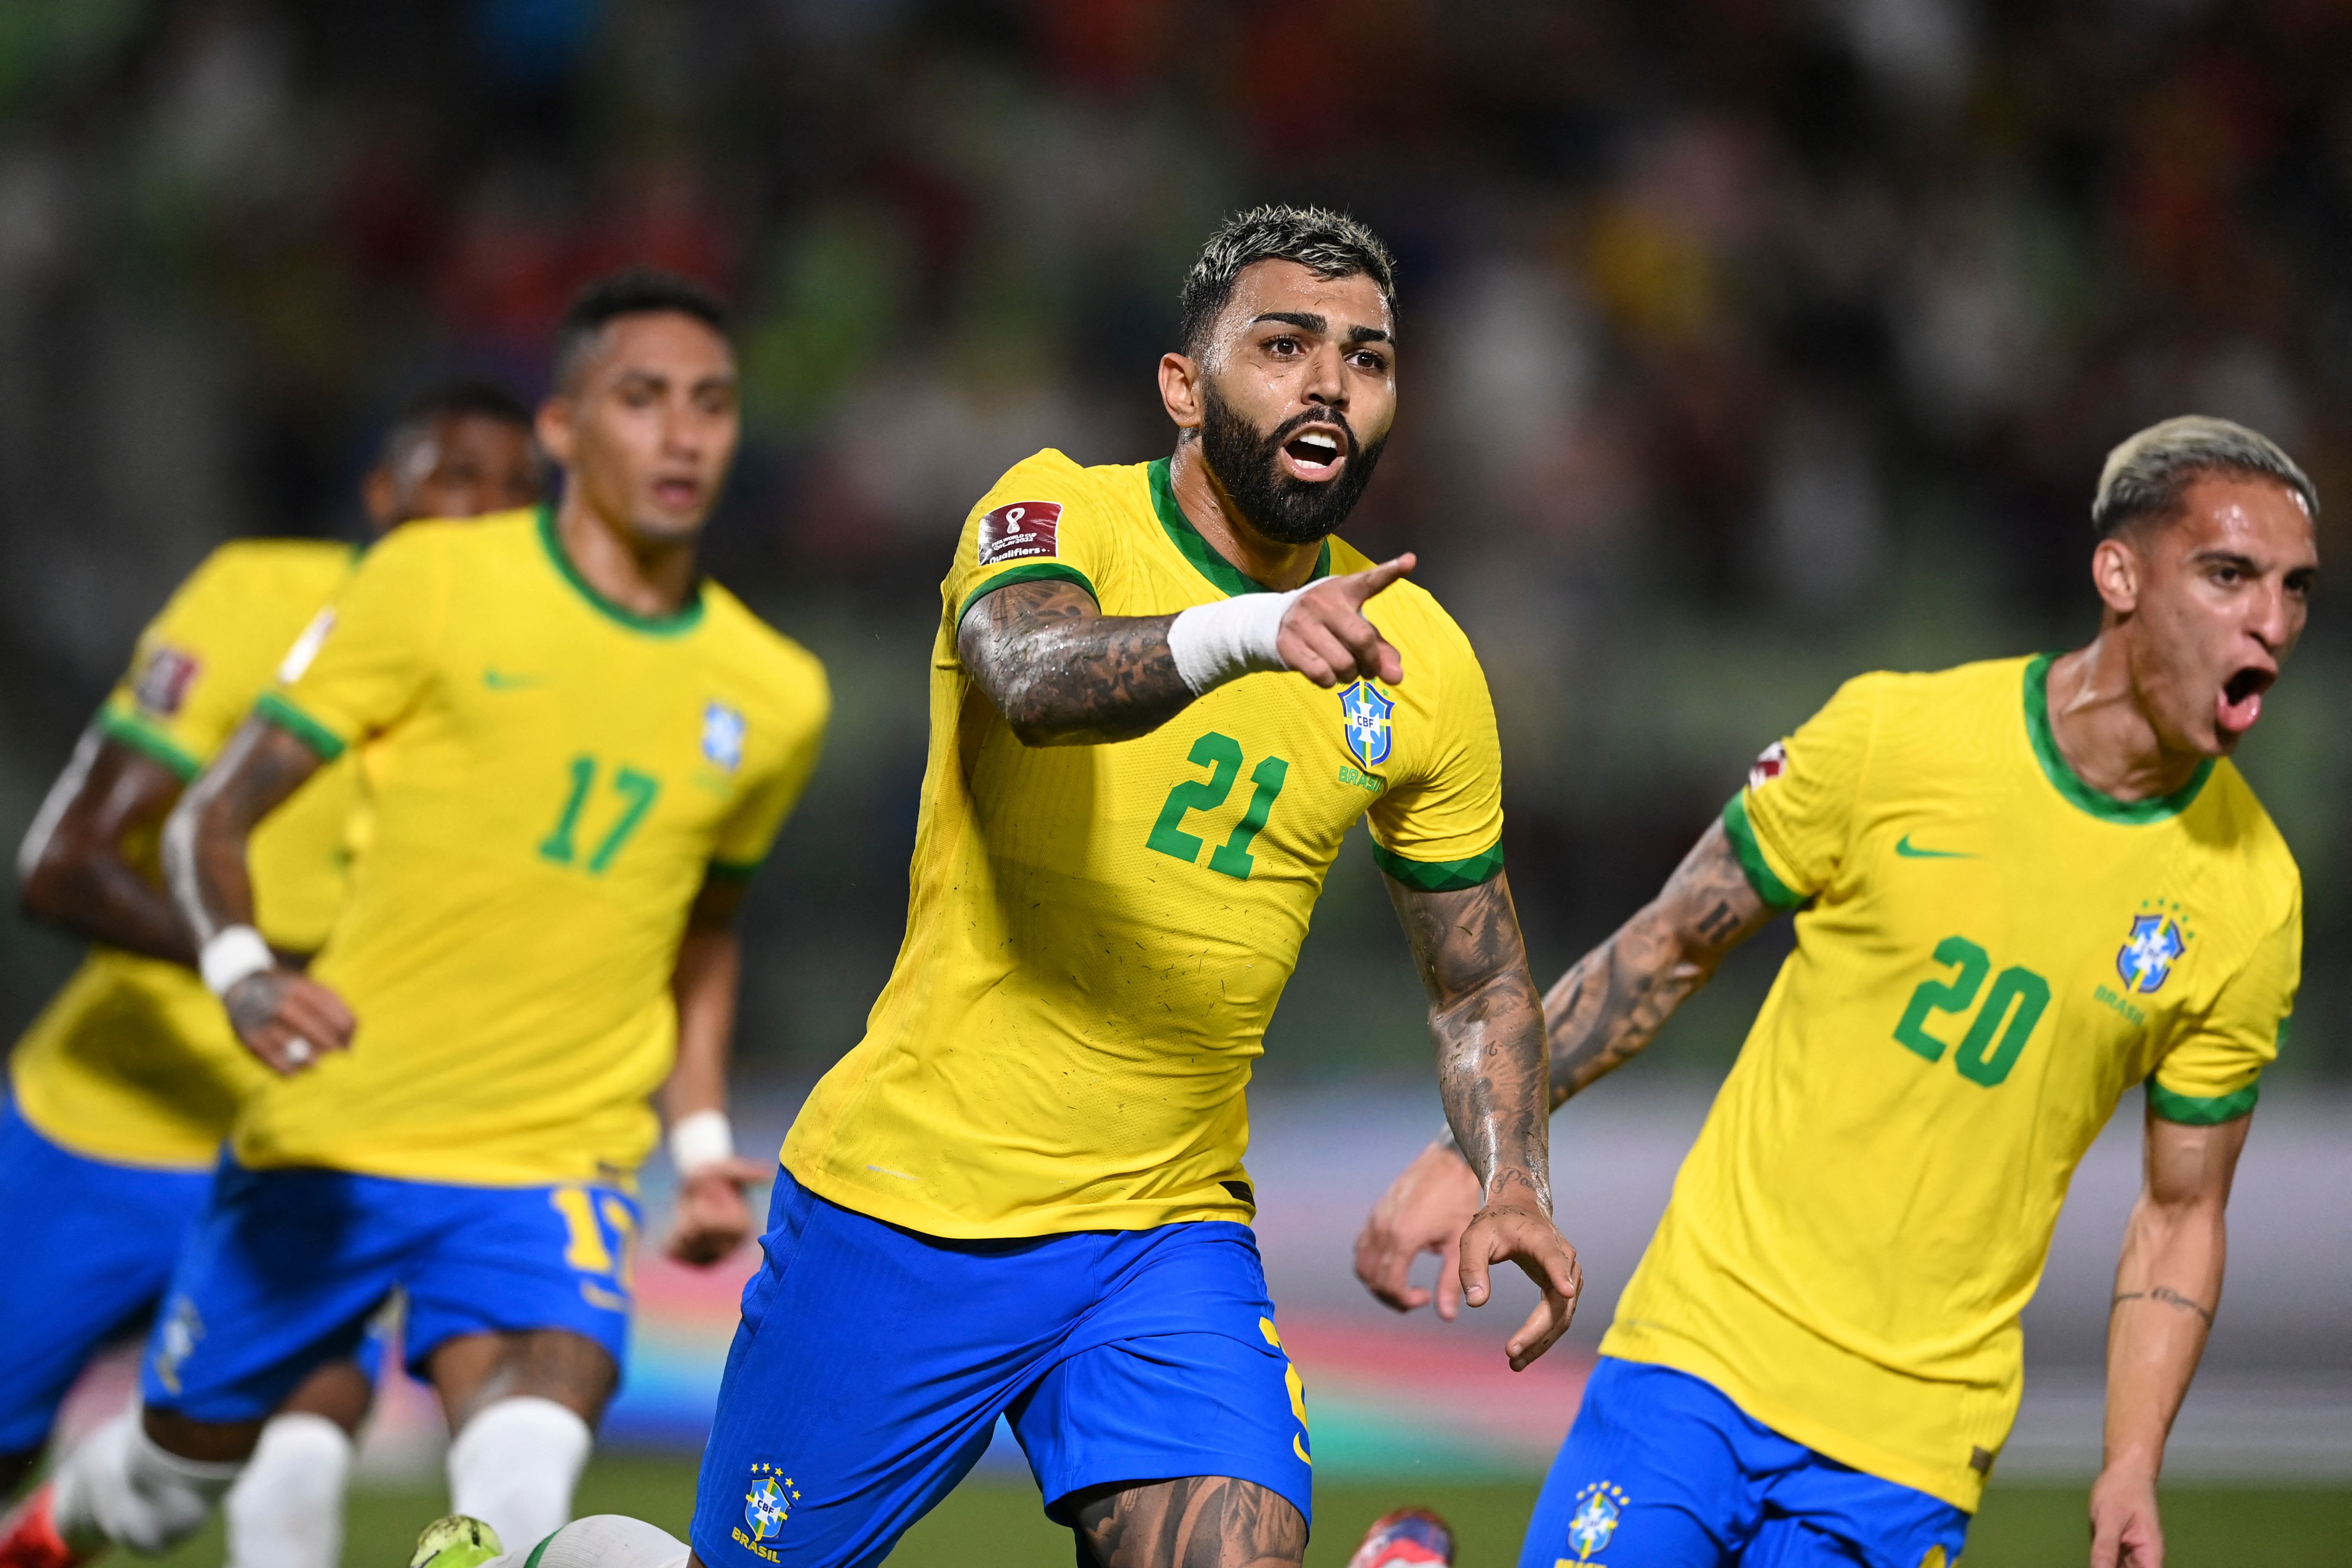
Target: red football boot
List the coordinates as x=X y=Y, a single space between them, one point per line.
x=1408 y=1538
x=29 y=1538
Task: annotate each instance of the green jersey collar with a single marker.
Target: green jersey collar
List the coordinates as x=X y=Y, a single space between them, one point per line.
x=1203 y=555
x=2064 y=780
x=675 y=624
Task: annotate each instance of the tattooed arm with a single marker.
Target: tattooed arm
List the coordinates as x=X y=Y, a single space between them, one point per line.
x=73 y=872
x=2168 y=1285
x=283 y=1017
x=1601 y=1012
x=1488 y=1029
x=1064 y=674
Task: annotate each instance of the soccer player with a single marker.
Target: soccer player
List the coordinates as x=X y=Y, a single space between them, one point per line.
x=123 y=1089
x=1023 y=1193
x=2021 y=887
x=575 y=752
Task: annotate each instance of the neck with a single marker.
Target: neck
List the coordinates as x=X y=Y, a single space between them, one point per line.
x=1207 y=509
x=2103 y=728
x=644 y=578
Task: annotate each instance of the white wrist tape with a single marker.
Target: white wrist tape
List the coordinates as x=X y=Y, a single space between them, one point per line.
x=235 y=953
x=700 y=1138
x=1216 y=642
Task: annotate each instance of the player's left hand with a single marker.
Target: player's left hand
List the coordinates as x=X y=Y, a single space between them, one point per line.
x=711 y=1216
x=2125 y=1529
x=1425 y=1210
x=1513 y=1226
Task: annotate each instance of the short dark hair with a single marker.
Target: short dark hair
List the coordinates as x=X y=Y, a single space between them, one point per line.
x=461 y=397
x=2146 y=476
x=1328 y=243
x=636 y=291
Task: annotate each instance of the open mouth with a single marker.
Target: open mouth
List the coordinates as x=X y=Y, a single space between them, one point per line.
x=2239 y=703
x=677 y=494
x=1316 y=454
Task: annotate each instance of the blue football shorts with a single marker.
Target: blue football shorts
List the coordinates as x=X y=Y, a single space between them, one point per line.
x=1661 y=1470
x=872 y=1362
x=286 y=1269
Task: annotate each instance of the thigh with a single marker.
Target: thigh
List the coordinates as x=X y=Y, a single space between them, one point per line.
x=1824 y=1514
x=1652 y=1475
x=89 y=1245
x=508 y=1263
x=1199 y=1521
x=866 y=1376
x=281 y=1274
x=1177 y=1370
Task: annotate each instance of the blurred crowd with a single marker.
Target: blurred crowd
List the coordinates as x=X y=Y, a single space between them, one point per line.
x=1745 y=344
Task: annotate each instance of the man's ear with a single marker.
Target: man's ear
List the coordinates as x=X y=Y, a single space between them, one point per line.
x=1180 y=390
x=380 y=497
x=2115 y=571
x=552 y=426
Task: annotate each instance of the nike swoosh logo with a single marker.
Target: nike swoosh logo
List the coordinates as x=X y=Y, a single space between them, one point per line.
x=1911 y=851
x=498 y=680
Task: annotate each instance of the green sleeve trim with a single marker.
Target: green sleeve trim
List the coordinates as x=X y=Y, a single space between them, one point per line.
x=1041 y=572
x=734 y=871
x=1440 y=876
x=276 y=709
x=148 y=741
x=1769 y=886
x=2191 y=1111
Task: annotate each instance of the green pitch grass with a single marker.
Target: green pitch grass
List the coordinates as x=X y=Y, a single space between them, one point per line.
x=995 y=1525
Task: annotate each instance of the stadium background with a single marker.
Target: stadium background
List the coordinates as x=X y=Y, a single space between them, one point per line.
x=1748 y=344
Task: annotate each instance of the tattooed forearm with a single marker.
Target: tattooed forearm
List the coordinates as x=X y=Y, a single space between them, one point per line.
x=74 y=870
x=205 y=841
x=1617 y=998
x=1487 y=1025
x=1199 y=1521
x=2169 y=1296
x=1063 y=673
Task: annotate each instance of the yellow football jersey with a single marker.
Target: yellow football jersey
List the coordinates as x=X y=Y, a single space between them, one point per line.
x=547 y=779
x=1098 y=934
x=1989 y=953
x=133 y=1061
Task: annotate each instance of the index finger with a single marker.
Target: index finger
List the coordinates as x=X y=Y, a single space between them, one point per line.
x=1361 y=585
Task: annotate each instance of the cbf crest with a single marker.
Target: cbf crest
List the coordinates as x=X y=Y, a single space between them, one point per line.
x=1599 y=1507
x=2155 y=945
x=722 y=736
x=765 y=1508
x=1364 y=722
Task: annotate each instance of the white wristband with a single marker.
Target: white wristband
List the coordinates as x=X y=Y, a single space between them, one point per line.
x=1216 y=642
x=235 y=953
x=700 y=1138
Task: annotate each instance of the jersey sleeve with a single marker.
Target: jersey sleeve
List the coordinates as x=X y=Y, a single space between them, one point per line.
x=360 y=664
x=1044 y=520
x=1792 y=822
x=1439 y=829
x=750 y=831
x=177 y=703
x=2215 y=1072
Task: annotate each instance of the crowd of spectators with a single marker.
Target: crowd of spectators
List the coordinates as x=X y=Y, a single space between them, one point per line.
x=1745 y=343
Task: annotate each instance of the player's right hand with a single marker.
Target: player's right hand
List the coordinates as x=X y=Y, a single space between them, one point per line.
x=1325 y=637
x=1513 y=1227
x=287 y=1020
x=1425 y=1210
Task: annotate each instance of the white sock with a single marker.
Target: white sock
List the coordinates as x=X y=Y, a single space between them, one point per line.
x=602 y=1541
x=514 y=1466
x=287 y=1510
x=119 y=1487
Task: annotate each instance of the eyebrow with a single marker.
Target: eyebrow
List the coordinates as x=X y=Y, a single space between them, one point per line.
x=1307 y=321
